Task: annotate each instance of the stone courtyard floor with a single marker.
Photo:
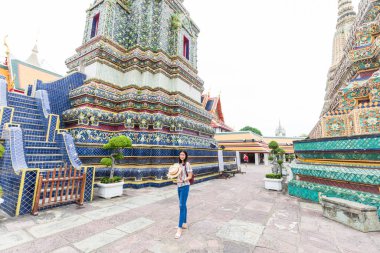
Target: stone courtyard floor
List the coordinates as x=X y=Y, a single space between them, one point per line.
x=233 y=215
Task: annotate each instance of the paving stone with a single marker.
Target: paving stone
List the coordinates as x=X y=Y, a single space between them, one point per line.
x=241 y=231
x=99 y=240
x=135 y=225
x=15 y=238
x=66 y=249
x=259 y=206
x=233 y=247
x=46 y=229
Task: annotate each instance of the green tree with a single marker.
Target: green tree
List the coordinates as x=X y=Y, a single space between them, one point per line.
x=252 y=129
x=116 y=145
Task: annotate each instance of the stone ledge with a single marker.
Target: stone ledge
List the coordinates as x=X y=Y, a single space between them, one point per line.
x=356 y=215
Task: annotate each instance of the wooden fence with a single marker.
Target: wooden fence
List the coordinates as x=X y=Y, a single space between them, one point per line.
x=59 y=186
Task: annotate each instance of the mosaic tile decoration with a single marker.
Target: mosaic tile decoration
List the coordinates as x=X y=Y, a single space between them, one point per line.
x=83 y=136
x=135 y=97
x=3 y=93
x=28 y=191
x=17 y=149
x=311 y=191
x=43 y=102
x=370 y=156
x=358 y=175
x=10 y=182
x=6 y=115
x=58 y=91
x=370 y=142
x=67 y=145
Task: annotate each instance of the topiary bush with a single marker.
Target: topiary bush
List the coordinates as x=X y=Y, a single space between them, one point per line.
x=107 y=180
x=273 y=176
x=116 y=145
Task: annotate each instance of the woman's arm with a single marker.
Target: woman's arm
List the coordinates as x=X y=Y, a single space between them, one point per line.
x=189 y=171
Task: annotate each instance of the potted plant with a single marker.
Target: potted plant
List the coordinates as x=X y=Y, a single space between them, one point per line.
x=273 y=182
x=113 y=186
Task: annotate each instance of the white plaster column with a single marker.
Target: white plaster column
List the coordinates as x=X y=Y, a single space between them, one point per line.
x=220 y=160
x=266 y=159
x=257 y=162
x=238 y=158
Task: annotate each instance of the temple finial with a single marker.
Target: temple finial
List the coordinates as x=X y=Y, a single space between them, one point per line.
x=33 y=58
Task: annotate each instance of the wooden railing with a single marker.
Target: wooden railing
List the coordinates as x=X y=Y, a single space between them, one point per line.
x=59 y=186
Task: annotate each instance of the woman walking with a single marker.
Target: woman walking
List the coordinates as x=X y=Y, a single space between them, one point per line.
x=184 y=174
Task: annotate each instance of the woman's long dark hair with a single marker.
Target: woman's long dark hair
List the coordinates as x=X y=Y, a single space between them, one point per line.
x=179 y=159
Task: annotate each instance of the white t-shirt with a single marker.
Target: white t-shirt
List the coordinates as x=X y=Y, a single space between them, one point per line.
x=183 y=176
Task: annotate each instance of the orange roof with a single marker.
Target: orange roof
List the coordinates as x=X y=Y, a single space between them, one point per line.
x=283 y=140
x=237 y=137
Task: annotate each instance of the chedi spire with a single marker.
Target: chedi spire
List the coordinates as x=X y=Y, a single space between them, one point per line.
x=346 y=17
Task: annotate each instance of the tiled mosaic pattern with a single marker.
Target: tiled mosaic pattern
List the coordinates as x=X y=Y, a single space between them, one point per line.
x=38 y=152
x=27 y=197
x=370 y=156
x=6 y=114
x=117 y=99
x=85 y=135
x=16 y=146
x=311 y=191
x=43 y=102
x=148 y=24
x=67 y=146
x=344 y=143
x=3 y=93
x=130 y=119
x=351 y=174
x=58 y=91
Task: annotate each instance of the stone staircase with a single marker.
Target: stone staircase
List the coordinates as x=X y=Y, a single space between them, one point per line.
x=38 y=152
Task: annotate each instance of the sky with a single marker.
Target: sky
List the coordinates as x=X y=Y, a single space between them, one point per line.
x=267 y=59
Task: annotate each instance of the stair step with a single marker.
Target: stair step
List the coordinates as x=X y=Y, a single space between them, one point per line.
x=39 y=144
x=31 y=129
x=27 y=120
x=46 y=164
x=42 y=151
x=23 y=109
x=43 y=157
x=49 y=148
x=32 y=132
x=19 y=96
x=27 y=115
x=23 y=103
x=34 y=138
x=30 y=125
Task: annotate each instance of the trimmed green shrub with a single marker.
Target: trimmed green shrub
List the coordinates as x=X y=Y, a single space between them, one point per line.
x=107 y=180
x=1 y=192
x=273 y=176
x=273 y=145
x=116 y=145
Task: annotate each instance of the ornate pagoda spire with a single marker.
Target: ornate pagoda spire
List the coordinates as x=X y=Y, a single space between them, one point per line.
x=346 y=17
x=33 y=58
x=280 y=131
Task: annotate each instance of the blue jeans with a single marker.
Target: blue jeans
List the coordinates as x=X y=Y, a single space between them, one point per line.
x=183 y=193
